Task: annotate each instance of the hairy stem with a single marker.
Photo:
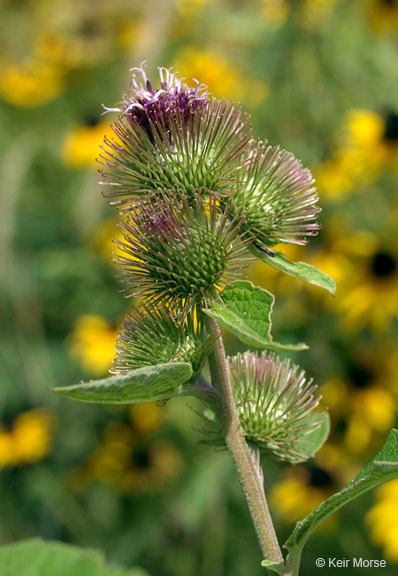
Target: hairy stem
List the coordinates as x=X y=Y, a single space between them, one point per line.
x=246 y=467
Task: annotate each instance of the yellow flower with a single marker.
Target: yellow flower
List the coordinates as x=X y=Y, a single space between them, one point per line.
x=335 y=395
x=372 y=412
x=364 y=136
x=110 y=460
x=335 y=177
x=365 y=268
x=7 y=455
x=92 y=342
x=275 y=12
x=383 y=16
x=32 y=84
x=299 y=492
x=368 y=286
x=146 y=418
x=362 y=404
x=81 y=145
x=103 y=239
x=189 y=8
x=382 y=520
x=368 y=146
x=334 y=458
x=74 y=38
x=314 y=13
x=125 y=460
x=28 y=440
x=128 y=32
x=214 y=70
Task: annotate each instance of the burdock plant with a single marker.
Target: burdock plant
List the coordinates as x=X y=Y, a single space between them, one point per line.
x=198 y=198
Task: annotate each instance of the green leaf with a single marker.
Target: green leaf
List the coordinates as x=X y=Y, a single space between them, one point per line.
x=299 y=270
x=37 y=558
x=276 y=567
x=159 y=382
x=383 y=467
x=312 y=442
x=246 y=312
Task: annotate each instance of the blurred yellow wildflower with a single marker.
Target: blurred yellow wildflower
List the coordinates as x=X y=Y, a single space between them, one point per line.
x=275 y=12
x=74 y=38
x=368 y=285
x=335 y=395
x=127 y=461
x=334 y=458
x=363 y=404
x=129 y=30
x=28 y=439
x=189 y=8
x=92 y=343
x=368 y=145
x=146 y=418
x=365 y=135
x=214 y=70
x=365 y=268
x=81 y=145
x=315 y=13
x=383 y=16
x=373 y=411
x=103 y=238
x=335 y=177
x=77 y=50
x=382 y=520
x=299 y=492
x=32 y=84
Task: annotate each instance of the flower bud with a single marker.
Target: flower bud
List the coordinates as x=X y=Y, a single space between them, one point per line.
x=275 y=404
x=277 y=197
x=149 y=337
x=173 y=138
x=180 y=254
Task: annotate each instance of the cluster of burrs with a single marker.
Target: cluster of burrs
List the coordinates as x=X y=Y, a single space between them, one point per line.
x=197 y=195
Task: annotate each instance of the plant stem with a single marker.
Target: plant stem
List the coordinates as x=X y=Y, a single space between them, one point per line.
x=249 y=477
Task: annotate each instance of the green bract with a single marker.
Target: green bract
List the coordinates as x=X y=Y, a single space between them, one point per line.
x=180 y=253
x=149 y=337
x=200 y=151
x=178 y=141
x=275 y=405
x=277 y=196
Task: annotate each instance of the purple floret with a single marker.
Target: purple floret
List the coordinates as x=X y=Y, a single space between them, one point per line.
x=146 y=106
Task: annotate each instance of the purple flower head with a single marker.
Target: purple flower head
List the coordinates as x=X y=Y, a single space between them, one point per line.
x=146 y=105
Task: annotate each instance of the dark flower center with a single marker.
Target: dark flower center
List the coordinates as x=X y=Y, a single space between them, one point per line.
x=390 y=3
x=319 y=477
x=360 y=377
x=91 y=121
x=141 y=458
x=383 y=264
x=391 y=128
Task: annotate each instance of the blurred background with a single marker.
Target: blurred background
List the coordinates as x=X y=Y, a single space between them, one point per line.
x=319 y=78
